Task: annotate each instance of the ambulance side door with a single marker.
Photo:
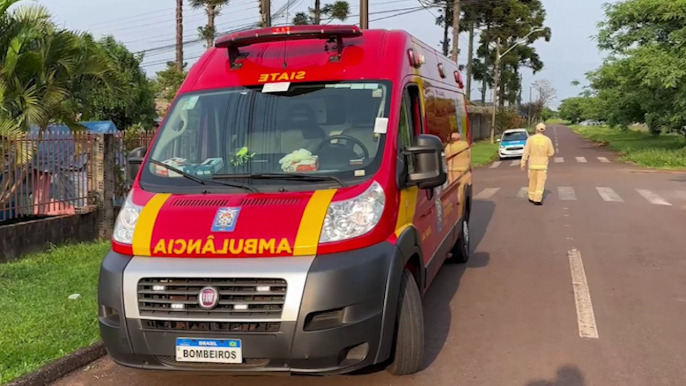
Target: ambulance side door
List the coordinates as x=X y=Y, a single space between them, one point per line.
x=425 y=213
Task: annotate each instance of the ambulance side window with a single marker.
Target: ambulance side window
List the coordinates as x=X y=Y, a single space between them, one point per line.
x=405 y=135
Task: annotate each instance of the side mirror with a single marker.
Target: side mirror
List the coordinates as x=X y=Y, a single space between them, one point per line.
x=133 y=163
x=428 y=162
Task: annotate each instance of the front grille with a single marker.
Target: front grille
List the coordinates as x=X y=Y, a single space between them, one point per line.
x=173 y=325
x=514 y=148
x=238 y=298
x=268 y=201
x=247 y=363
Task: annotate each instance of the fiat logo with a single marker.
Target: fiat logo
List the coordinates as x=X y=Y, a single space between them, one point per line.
x=208 y=297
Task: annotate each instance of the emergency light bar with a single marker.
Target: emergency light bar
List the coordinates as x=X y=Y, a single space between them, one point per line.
x=267 y=35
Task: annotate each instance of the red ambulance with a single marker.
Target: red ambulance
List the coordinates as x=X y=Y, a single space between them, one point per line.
x=293 y=208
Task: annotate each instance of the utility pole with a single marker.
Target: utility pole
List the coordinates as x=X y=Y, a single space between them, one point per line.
x=495 y=89
x=456 y=29
x=317 y=12
x=470 y=59
x=531 y=90
x=179 y=35
x=266 y=13
x=364 y=14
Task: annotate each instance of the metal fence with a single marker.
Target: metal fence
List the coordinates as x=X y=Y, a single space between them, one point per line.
x=57 y=173
x=45 y=174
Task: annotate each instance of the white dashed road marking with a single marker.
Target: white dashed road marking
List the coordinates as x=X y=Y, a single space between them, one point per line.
x=609 y=195
x=603 y=159
x=582 y=297
x=653 y=198
x=515 y=163
x=486 y=193
x=566 y=193
x=559 y=160
x=495 y=164
x=523 y=192
x=581 y=159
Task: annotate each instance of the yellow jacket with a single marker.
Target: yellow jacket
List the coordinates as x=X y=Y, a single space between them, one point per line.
x=537 y=151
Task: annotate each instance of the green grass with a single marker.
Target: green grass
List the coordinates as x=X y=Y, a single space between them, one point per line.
x=660 y=152
x=38 y=323
x=483 y=153
x=556 y=121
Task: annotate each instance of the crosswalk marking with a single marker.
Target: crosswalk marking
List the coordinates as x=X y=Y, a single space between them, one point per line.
x=515 y=163
x=566 y=193
x=523 y=192
x=559 y=160
x=603 y=159
x=581 y=159
x=609 y=195
x=486 y=193
x=653 y=198
x=495 y=164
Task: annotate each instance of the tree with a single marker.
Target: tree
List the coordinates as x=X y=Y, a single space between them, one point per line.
x=339 y=10
x=212 y=8
x=546 y=92
x=168 y=82
x=643 y=79
x=133 y=102
x=510 y=21
x=45 y=73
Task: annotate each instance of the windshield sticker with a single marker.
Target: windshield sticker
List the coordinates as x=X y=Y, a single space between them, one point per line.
x=276 y=87
x=357 y=86
x=371 y=86
x=282 y=76
x=381 y=125
x=378 y=93
x=359 y=173
x=225 y=219
x=190 y=102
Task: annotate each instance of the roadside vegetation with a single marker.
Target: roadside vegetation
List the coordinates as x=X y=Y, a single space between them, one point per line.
x=483 y=153
x=639 y=89
x=666 y=151
x=38 y=321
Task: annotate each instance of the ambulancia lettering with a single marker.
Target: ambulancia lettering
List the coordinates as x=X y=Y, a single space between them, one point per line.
x=223 y=247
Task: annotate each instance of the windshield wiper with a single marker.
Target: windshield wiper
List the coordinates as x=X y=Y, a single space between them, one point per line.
x=199 y=180
x=281 y=176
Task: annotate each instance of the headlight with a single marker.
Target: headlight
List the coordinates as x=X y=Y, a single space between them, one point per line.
x=126 y=222
x=354 y=217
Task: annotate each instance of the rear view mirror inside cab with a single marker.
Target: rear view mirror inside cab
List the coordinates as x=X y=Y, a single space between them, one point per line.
x=428 y=162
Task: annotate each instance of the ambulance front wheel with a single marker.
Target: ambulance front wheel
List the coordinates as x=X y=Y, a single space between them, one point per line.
x=408 y=356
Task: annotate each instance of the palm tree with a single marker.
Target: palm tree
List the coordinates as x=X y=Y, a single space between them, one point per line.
x=44 y=75
x=212 y=8
x=339 y=10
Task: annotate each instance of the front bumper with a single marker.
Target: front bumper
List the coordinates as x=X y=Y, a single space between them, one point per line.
x=355 y=291
x=505 y=153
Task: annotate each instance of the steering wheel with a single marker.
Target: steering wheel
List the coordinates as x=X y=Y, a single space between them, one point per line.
x=349 y=140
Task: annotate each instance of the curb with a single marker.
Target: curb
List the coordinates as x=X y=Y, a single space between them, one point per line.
x=61 y=367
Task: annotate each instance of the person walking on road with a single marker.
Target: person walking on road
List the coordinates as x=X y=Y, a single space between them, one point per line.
x=538 y=149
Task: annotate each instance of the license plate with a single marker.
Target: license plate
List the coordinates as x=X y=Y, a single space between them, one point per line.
x=209 y=350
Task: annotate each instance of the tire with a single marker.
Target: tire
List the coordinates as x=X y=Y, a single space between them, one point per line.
x=408 y=356
x=461 y=251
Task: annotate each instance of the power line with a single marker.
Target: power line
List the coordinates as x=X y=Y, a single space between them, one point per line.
x=402 y=12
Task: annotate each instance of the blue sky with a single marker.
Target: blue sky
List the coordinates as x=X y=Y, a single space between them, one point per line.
x=146 y=24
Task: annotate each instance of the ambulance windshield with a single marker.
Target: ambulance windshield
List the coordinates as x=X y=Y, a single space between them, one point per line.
x=322 y=129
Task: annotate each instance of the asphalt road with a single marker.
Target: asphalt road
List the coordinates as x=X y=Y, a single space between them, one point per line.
x=588 y=289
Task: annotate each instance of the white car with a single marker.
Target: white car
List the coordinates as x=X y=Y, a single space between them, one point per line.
x=512 y=143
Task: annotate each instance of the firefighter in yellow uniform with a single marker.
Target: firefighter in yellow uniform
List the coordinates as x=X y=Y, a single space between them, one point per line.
x=538 y=149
